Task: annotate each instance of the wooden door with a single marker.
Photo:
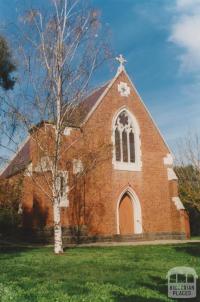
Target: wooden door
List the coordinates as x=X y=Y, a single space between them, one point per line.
x=126 y=217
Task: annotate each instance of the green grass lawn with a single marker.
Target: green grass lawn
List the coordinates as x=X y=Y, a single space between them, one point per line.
x=118 y=274
x=195 y=238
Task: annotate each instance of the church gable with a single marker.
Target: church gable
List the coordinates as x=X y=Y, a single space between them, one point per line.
x=121 y=97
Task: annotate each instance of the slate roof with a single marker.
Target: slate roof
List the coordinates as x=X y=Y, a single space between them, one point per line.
x=19 y=162
x=74 y=118
x=91 y=100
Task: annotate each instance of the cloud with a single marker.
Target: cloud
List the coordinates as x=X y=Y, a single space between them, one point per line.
x=187 y=4
x=185 y=33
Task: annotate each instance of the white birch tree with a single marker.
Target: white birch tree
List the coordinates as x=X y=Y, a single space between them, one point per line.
x=61 y=49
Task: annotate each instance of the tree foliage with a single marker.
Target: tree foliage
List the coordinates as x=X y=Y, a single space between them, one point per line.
x=189 y=192
x=10 y=198
x=188 y=172
x=7 y=66
x=189 y=185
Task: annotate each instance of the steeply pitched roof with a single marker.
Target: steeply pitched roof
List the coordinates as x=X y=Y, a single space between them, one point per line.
x=75 y=118
x=78 y=114
x=19 y=162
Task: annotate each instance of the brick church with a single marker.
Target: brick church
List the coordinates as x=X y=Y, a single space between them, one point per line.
x=129 y=189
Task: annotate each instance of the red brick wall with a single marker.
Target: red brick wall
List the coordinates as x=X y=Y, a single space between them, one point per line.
x=151 y=184
x=103 y=184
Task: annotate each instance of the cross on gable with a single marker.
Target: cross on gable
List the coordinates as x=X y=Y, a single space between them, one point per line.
x=121 y=61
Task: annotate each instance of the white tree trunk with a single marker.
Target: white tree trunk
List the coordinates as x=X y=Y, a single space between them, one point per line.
x=58 y=245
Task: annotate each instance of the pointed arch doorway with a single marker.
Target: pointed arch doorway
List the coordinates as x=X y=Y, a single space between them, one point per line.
x=126 y=216
x=129 y=217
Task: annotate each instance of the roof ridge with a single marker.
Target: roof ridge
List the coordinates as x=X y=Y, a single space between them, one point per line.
x=96 y=89
x=109 y=85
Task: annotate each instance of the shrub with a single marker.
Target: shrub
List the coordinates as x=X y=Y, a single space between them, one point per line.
x=10 y=197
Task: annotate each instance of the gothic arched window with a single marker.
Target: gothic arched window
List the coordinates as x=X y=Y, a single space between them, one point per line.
x=127 y=142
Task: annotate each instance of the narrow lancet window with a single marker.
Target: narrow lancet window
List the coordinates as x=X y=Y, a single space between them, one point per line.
x=125 y=146
x=117 y=145
x=132 y=147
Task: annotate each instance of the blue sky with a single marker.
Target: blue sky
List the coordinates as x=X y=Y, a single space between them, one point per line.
x=161 y=41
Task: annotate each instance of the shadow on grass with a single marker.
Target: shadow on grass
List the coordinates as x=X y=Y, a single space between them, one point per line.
x=193 y=249
x=78 y=289
x=160 y=286
x=157 y=284
x=118 y=297
x=13 y=249
x=8 y=252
